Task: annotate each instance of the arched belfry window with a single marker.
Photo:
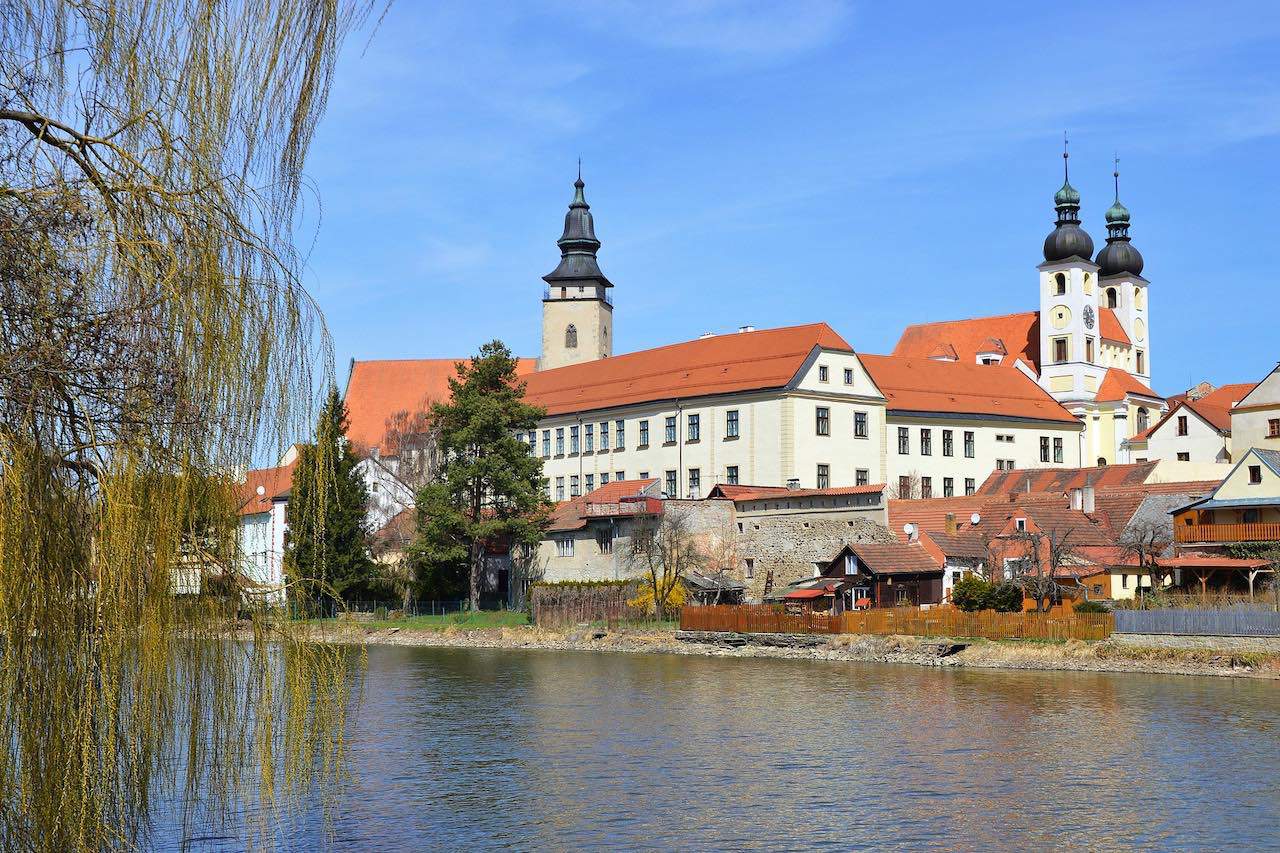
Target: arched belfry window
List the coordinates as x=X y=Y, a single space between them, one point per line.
x=571 y=337
x=1112 y=300
x=1102 y=461
x=1060 y=284
x=1142 y=420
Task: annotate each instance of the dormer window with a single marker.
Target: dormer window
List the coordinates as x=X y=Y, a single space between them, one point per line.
x=1060 y=284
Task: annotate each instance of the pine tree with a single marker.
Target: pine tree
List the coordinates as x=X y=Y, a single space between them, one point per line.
x=490 y=489
x=327 y=537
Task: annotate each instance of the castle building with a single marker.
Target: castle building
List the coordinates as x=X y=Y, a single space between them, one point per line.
x=1060 y=386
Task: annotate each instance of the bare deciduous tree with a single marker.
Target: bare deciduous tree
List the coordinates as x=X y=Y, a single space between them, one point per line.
x=1045 y=552
x=1145 y=540
x=662 y=550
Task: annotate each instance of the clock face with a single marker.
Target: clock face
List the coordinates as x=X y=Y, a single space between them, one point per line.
x=1088 y=316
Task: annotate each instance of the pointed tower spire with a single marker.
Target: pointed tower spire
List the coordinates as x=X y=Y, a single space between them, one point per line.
x=578 y=244
x=1118 y=257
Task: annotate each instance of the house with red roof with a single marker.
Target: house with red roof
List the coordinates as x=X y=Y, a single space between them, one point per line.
x=262 y=498
x=1195 y=429
x=1255 y=418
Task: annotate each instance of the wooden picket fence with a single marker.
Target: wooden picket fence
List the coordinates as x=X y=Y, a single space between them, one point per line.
x=912 y=621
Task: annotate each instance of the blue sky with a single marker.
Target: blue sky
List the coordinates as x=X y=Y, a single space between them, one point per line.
x=866 y=164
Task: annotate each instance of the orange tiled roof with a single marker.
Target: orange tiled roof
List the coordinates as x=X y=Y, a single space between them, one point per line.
x=926 y=385
x=275 y=482
x=930 y=514
x=1018 y=334
x=1214 y=407
x=1109 y=328
x=748 y=361
x=888 y=558
x=572 y=514
x=1061 y=480
x=1117 y=383
x=751 y=493
x=378 y=390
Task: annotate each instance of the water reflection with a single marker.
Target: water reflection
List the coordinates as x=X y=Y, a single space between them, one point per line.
x=536 y=749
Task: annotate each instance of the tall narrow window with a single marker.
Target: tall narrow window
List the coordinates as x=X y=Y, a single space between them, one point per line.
x=694 y=424
x=731 y=475
x=589 y=438
x=559 y=488
x=848 y=376
x=1060 y=283
x=904 y=487
x=573 y=439
x=604 y=435
x=1112 y=297
x=948 y=443
x=822 y=373
x=604 y=478
x=1088 y=350
x=546 y=443
x=926 y=442
x=573 y=485
x=695 y=482
x=862 y=477
x=571 y=337
x=591 y=482
x=926 y=487
x=619 y=435
x=968 y=445
x=824 y=476
x=1044 y=448
x=670 y=482
x=823 y=420
x=1273 y=428
x=559 y=441
x=1060 y=350
x=1143 y=418
x=948 y=487
x=859 y=424
x=1182 y=424
x=671 y=431
x=970 y=485
x=1057 y=450
x=904 y=441
x=644 y=434
x=731 y=423
x=1140 y=360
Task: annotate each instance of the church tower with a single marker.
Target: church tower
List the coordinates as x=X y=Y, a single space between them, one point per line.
x=1123 y=289
x=1071 y=366
x=577 y=310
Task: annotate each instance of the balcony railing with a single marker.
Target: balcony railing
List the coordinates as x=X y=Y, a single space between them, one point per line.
x=1259 y=532
x=603 y=295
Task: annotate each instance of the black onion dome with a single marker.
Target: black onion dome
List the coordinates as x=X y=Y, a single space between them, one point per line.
x=578 y=244
x=1119 y=257
x=1067 y=240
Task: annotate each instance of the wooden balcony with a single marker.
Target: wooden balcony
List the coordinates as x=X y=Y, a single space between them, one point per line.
x=1261 y=532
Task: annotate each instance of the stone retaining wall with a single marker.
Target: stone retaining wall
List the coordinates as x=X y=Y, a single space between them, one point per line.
x=1199 y=641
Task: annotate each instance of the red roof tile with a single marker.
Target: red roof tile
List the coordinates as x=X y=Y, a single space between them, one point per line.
x=930 y=514
x=1109 y=327
x=572 y=514
x=1018 y=334
x=886 y=558
x=927 y=385
x=1214 y=408
x=378 y=390
x=751 y=493
x=274 y=482
x=768 y=358
x=1117 y=383
x=1061 y=480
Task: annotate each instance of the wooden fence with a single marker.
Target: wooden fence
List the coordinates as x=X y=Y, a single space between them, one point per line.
x=934 y=622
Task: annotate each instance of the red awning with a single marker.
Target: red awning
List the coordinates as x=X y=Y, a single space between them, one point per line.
x=806 y=593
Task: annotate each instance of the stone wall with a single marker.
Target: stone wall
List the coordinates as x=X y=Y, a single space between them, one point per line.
x=789 y=545
x=1199 y=641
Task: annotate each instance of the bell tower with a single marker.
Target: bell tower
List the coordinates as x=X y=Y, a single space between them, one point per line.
x=577 y=310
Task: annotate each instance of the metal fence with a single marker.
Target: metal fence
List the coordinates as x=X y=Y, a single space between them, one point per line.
x=1234 y=622
x=328 y=609
x=912 y=621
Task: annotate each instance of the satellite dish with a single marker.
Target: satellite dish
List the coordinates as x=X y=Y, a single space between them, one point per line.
x=262 y=490
x=975 y=518
x=908 y=528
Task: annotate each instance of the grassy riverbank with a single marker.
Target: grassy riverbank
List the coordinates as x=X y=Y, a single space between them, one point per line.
x=1076 y=655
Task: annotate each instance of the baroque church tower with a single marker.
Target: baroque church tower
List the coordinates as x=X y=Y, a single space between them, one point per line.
x=577 y=310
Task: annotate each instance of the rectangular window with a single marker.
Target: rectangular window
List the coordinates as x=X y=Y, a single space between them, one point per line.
x=604 y=539
x=589 y=438
x=731 y=475
x=671 y=431
x=559 y=488
x=848 y=376
x=1044 y=448
x=1273 y=428
x=695 y=482
x=591 y=482
x=573 y=439
x=1060 y=351
x=969 y=486
x=824 y=476
x=948 y=487
x=1057 y=450
x=904 y=441
x=822 y=373
x=573 y=486
x=926 y=442
x=1141 y=361
x=926 y=487
x=693 y=424
x=621 y=475
x=604 y=478
x=533 y=442
x=948 y=443
x=1124 y=581
x=559 y=441
x=670 y=484
x=904 y=487
x=999 y=464
x=731 y=423
x=749 y=568
x=1255 y=474
x=1184 y=457
x=604 y=435
x=968 y=445
x=859 y=424
x=619 y=435
x=862 y=477
x=546 y=443
x=1088 y=350
x=564 y=546
x=823 y=420
x=644 y=434
x=1249 y=516
x=1182 y=424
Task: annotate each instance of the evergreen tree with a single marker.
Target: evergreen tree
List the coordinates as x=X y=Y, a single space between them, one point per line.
x=326 y=512
x=490 y=487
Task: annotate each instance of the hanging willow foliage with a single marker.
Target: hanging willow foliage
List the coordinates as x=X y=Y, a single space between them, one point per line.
x=154 y=337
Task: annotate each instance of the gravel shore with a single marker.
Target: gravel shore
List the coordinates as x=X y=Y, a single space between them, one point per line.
x=922 y=651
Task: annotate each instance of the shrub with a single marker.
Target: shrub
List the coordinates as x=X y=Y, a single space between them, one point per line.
x=970 y=594
x=1005 y=597
x=1091 y=607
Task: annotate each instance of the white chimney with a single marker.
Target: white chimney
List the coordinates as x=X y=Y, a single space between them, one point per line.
x=1086 y=498
x=742 y=329
x=1077 y=499
x=705 y=335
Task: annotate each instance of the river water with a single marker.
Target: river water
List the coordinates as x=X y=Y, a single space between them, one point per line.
x=470 y=749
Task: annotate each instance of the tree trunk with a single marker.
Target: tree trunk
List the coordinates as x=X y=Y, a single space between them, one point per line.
x=477 y=560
